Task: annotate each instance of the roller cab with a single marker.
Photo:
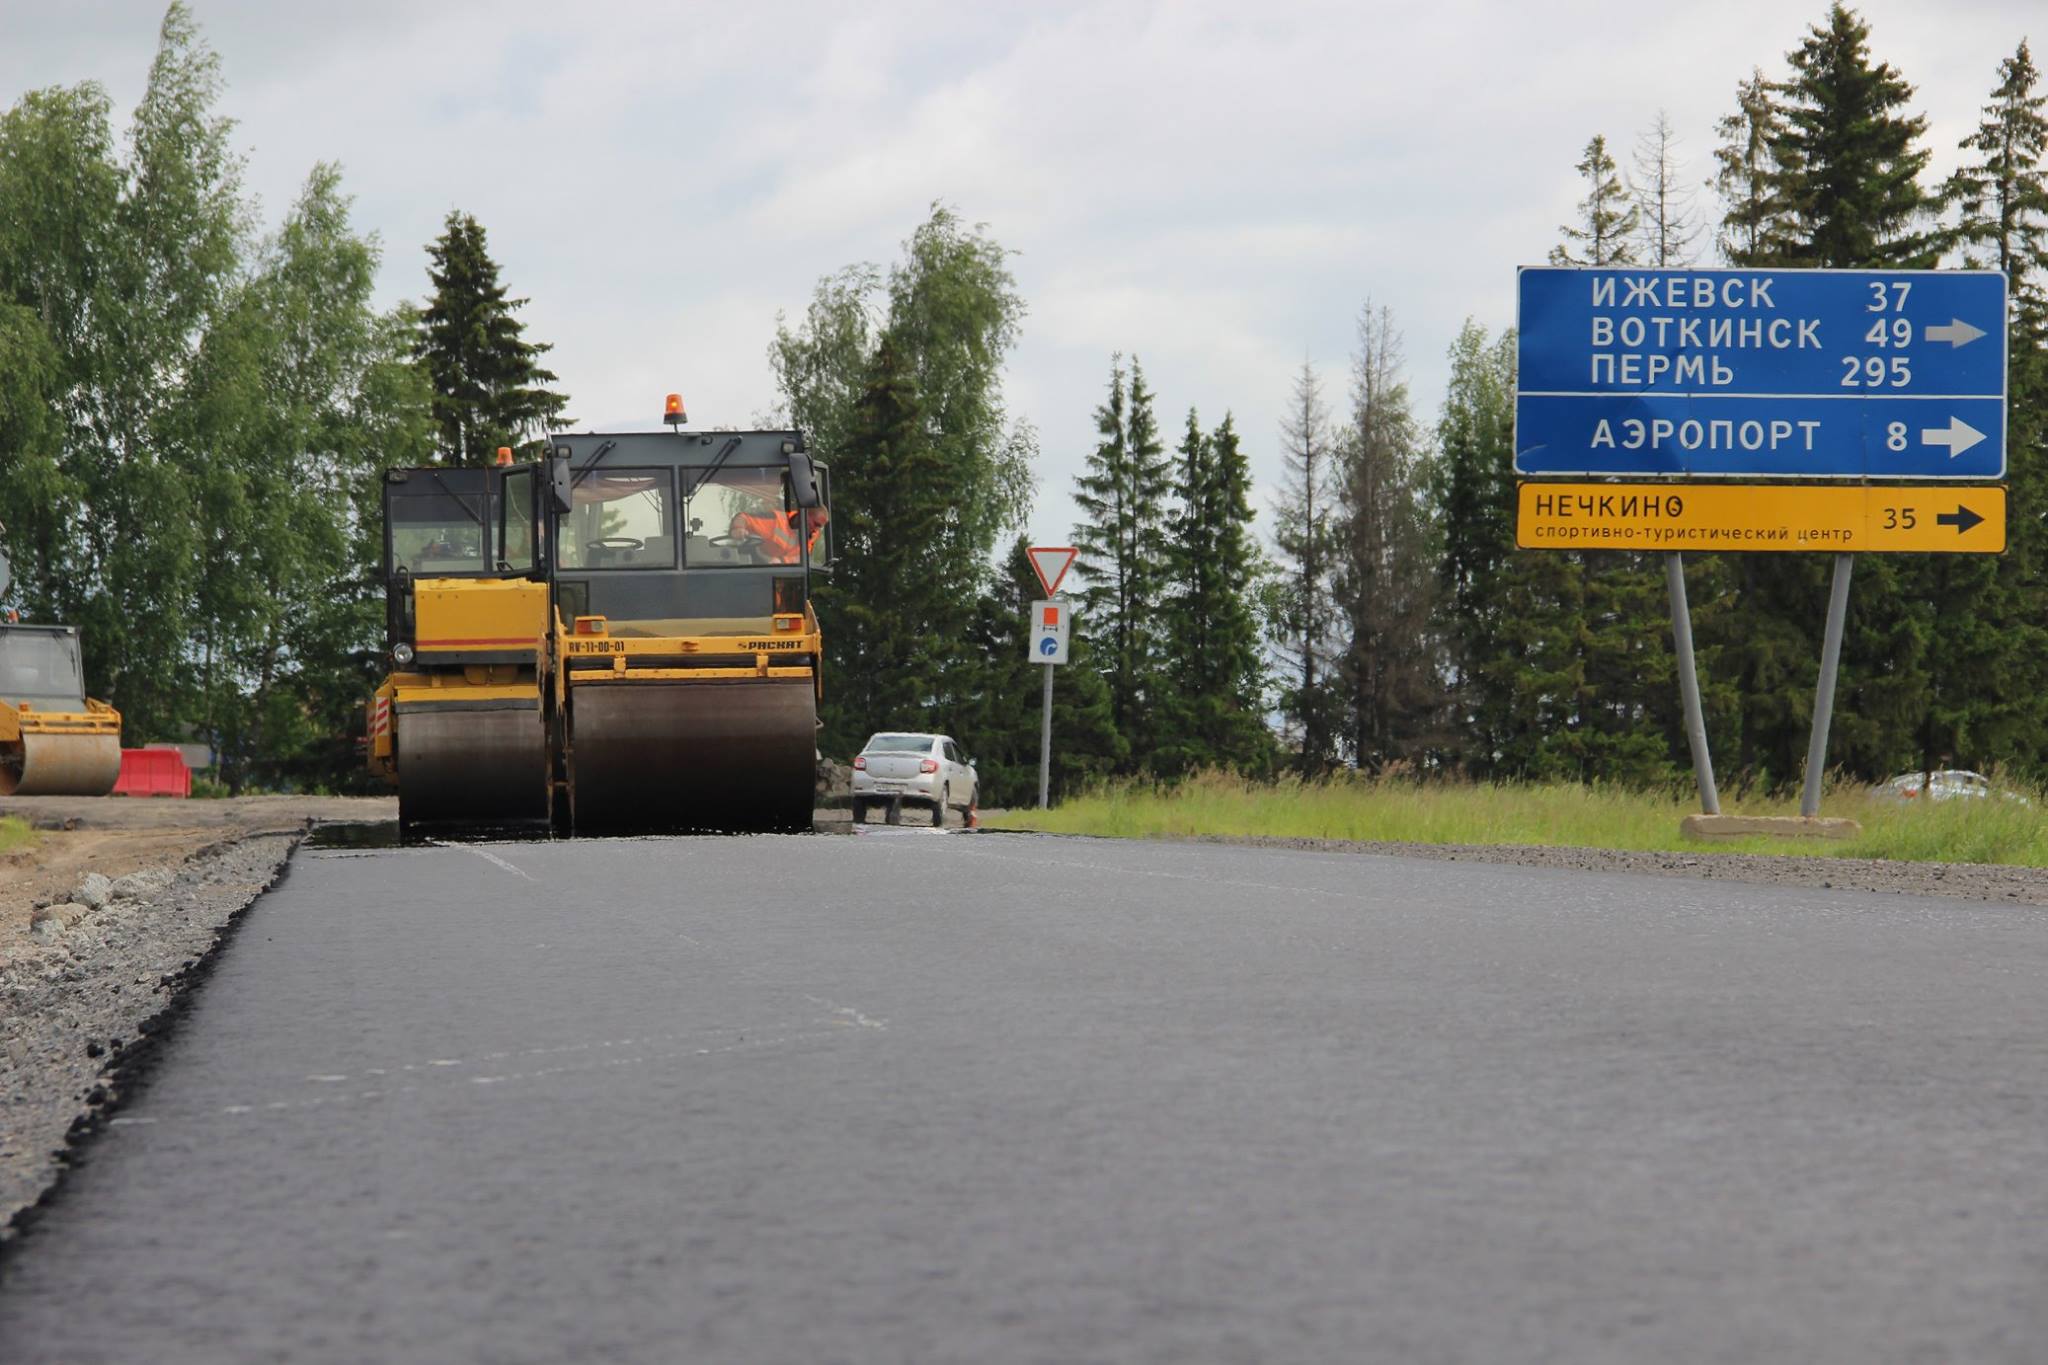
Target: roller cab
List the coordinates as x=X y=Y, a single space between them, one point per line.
x=54 y=740
x=461 y=724
x=688 y=646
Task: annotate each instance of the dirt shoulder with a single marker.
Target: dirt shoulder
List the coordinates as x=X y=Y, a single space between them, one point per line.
x=115 y=836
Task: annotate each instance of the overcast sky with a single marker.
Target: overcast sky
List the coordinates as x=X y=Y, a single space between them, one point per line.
x=1216 y=187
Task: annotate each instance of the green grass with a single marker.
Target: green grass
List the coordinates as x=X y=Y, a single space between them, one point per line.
x=1996 y=830
x=15 y=833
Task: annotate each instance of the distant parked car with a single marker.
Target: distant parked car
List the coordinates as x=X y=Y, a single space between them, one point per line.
x=893 y=770
x=1943 y=784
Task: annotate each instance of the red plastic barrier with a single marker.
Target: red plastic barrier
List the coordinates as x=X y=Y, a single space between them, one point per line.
x=153 y=772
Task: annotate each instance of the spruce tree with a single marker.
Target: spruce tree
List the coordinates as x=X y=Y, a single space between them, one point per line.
x=1990 y=614
x=1123 y=495
x=1302 y=617
x=1849 y=158
x=1608 y=218
x=1392 y=675
x=2002 y=195
x=490 y=389
x=897 y=381
x=1212 y=659
x=1756 y=220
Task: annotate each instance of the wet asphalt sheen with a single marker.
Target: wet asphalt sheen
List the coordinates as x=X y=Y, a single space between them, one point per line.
x=917 y=1096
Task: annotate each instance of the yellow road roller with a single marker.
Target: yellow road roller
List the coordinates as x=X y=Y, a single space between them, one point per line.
x=617 y=638
x=54 y=740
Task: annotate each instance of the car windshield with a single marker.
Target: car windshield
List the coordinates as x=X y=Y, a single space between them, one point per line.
x=899 y=744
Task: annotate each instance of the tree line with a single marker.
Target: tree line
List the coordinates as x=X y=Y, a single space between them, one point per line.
x=193 y=415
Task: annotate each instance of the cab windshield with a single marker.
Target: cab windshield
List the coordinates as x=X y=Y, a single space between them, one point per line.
x=745 y=516
x=620 y=519
x=40 y=666
x=437 y=531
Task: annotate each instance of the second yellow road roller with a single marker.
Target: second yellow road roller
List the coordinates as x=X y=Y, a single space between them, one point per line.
x=616 y=638
x=54 y=740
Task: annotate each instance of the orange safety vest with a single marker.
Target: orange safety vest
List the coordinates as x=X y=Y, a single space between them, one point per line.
x=777 y=530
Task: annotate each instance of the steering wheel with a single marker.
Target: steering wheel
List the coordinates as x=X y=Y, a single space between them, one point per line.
x=729 y=542
x=616 y=543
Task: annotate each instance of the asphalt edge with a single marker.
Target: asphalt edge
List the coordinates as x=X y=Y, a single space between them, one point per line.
x=131 y=1068
x=1994 y=883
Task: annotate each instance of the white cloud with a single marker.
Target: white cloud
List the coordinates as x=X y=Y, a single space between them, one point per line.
x=1214 y=186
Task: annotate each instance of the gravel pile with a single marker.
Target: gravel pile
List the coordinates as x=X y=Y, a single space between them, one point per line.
x=96 y=981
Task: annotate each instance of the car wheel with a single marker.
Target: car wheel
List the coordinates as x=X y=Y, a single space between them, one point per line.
x=939 y=808
x=860 y=812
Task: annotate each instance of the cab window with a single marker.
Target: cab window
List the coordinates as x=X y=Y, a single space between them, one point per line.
x=437 y=530
x=745 y=516
x=620 y=519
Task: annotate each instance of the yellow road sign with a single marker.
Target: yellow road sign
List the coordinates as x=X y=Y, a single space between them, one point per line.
x=1797 y=517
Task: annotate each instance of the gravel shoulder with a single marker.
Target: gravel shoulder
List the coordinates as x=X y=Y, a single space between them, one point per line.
x=1967 y=881
x=105 y=923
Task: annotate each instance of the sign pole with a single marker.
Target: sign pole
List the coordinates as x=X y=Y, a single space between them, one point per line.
x=1824 y=693
x=1045 y=744
x=1689 y=685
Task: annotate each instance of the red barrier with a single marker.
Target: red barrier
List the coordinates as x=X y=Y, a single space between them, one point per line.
x=153 y=772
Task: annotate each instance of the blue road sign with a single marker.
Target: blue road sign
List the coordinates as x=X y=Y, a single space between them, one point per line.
x=1817 y=374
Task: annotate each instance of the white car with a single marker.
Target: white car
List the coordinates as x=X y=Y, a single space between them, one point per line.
x=895 y=769
x=1943 y=784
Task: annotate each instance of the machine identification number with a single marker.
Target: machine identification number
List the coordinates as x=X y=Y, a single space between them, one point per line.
x=597 y=646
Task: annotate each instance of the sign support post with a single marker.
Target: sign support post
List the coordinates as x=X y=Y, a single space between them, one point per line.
x=1689 y=685
x=1045 y=745
x=1046 y=638
x=1824 y=692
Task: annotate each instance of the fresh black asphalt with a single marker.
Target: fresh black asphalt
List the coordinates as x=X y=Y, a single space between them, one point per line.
x=908 y=1095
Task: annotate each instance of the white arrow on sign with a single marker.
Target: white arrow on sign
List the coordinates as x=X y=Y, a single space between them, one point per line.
x=1955 y=332
x=1958 y=436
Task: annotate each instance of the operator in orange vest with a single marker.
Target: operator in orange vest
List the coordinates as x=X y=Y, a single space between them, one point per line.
x=776 y=531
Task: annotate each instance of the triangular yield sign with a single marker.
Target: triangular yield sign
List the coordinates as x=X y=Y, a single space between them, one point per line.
x=1050 y=563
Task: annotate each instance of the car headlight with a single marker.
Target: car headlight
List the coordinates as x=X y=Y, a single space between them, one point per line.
x=402 y=653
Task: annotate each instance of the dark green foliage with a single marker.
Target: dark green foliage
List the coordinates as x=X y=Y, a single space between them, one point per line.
x=902 y=397
x=1124 y=555
x=1006 y=712
x=1848 y=160
x=191 y=420
x=1214 y=673
x=489 y=388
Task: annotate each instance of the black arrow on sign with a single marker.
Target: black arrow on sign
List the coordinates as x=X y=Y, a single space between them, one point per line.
x=1962 y=519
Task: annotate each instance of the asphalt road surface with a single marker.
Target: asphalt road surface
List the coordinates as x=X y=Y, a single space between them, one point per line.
x=907 y=1095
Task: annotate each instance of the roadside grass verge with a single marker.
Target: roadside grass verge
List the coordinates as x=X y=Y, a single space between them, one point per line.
x=15 y=833
x=1402 y=810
